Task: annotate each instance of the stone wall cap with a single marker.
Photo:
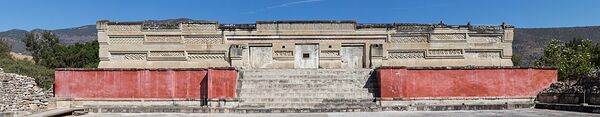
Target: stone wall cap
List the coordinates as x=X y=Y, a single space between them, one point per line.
x=463 y=67
x=124 y=69
x=134 y=69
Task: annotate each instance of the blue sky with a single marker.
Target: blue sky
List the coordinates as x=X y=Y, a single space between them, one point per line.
x=57 y=14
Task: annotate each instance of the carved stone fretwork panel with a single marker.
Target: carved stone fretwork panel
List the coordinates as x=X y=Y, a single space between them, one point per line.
x=484 y=39
x=448 y=36
x=206 y=56
x=487 y=29
x=167 y=53
x=163 y=38
x=332 y=53
x=482 y=54
x=306 y=26
x=406 y=54
x=408 y=39
x=414 y=28
x=203 y=39
x=284 y=53
x=444 y=52
x=126 y=40
x=128 y=56
x=199 y=27
x=124 y=27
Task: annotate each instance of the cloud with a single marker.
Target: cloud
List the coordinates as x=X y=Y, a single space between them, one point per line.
x=283 y=5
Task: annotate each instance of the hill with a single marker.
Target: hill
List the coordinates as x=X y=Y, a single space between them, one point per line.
x=530 y=42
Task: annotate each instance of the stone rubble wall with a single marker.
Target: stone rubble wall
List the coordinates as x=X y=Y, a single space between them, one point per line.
x=21 y=93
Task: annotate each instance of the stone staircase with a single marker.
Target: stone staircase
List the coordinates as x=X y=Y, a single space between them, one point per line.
x=307 y=89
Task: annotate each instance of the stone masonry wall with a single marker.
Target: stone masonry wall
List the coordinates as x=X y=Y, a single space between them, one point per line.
x=21 y=93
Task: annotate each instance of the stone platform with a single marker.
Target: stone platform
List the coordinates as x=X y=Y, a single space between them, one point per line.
x=304 y=90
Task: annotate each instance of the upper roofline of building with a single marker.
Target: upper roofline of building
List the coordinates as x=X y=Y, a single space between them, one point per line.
x=153 y=24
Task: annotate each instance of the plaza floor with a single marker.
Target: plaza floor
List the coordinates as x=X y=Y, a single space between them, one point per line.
x=479 y=113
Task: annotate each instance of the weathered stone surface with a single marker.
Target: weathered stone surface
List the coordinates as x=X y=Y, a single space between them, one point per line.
x=132 y=44
x=292 y=89
x=20 y=93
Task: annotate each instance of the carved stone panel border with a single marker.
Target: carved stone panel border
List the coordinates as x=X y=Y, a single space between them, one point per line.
x=448 y=36
x=205 y=56
x=125 y=56
x=124 y=27
x=126 y=40
x=166 y=56
x=483 y=54
x=283 y=55
x=163 y=38
x=445 y=53
x=200 y=27
x=406 y=54
x=203 y=39
x=484 y=38
x=167 y=53
x=408 y=38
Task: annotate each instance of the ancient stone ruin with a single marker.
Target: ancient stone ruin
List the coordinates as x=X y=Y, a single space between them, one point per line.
x=21 y=93
x=300 y=44
x=300 y=66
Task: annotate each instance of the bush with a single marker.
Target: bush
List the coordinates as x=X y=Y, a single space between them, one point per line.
x=43 y=76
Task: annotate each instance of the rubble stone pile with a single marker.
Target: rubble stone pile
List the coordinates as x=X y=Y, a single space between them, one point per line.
x=588 y=84
x=20 y=93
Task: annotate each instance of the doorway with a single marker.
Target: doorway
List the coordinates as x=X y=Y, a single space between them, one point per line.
x=306 y=56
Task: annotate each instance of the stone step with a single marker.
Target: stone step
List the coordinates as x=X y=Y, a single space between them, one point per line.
x=303 y=76
x=307 y=95
x=307 y=88
x=304 y=85
x=304 y=81
x=307 y=99
x=310 y=105
x=296 y=90
x=307 y=72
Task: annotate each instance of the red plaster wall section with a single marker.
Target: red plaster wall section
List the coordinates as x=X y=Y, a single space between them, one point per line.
x=407 y=83
x=222 y=84
x=132 y=84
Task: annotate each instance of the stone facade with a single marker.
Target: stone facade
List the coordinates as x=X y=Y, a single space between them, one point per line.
x=300 y=44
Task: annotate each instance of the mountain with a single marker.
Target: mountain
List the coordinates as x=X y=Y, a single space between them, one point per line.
x=529 y=43
x=67 y=36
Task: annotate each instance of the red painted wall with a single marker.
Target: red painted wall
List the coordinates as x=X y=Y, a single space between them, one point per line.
x=144 y=84
x=440 y=83
x=222 y=84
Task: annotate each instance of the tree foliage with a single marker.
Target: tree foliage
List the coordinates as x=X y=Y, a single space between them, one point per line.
x=48 y=54
x=43 y=76
x=39 y=43
x=46 y=51
x=517 y=60
x=574 y=58
x=5 y=48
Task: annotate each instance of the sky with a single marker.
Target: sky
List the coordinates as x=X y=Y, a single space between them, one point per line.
x=58 y=14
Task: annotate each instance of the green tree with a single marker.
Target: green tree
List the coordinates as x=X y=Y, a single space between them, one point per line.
x=517 y=60
x=572 y=59
x=47 y=51
x=39 y=43
x=5 y=48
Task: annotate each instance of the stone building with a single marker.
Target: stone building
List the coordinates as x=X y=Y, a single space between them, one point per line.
x=300 y=44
